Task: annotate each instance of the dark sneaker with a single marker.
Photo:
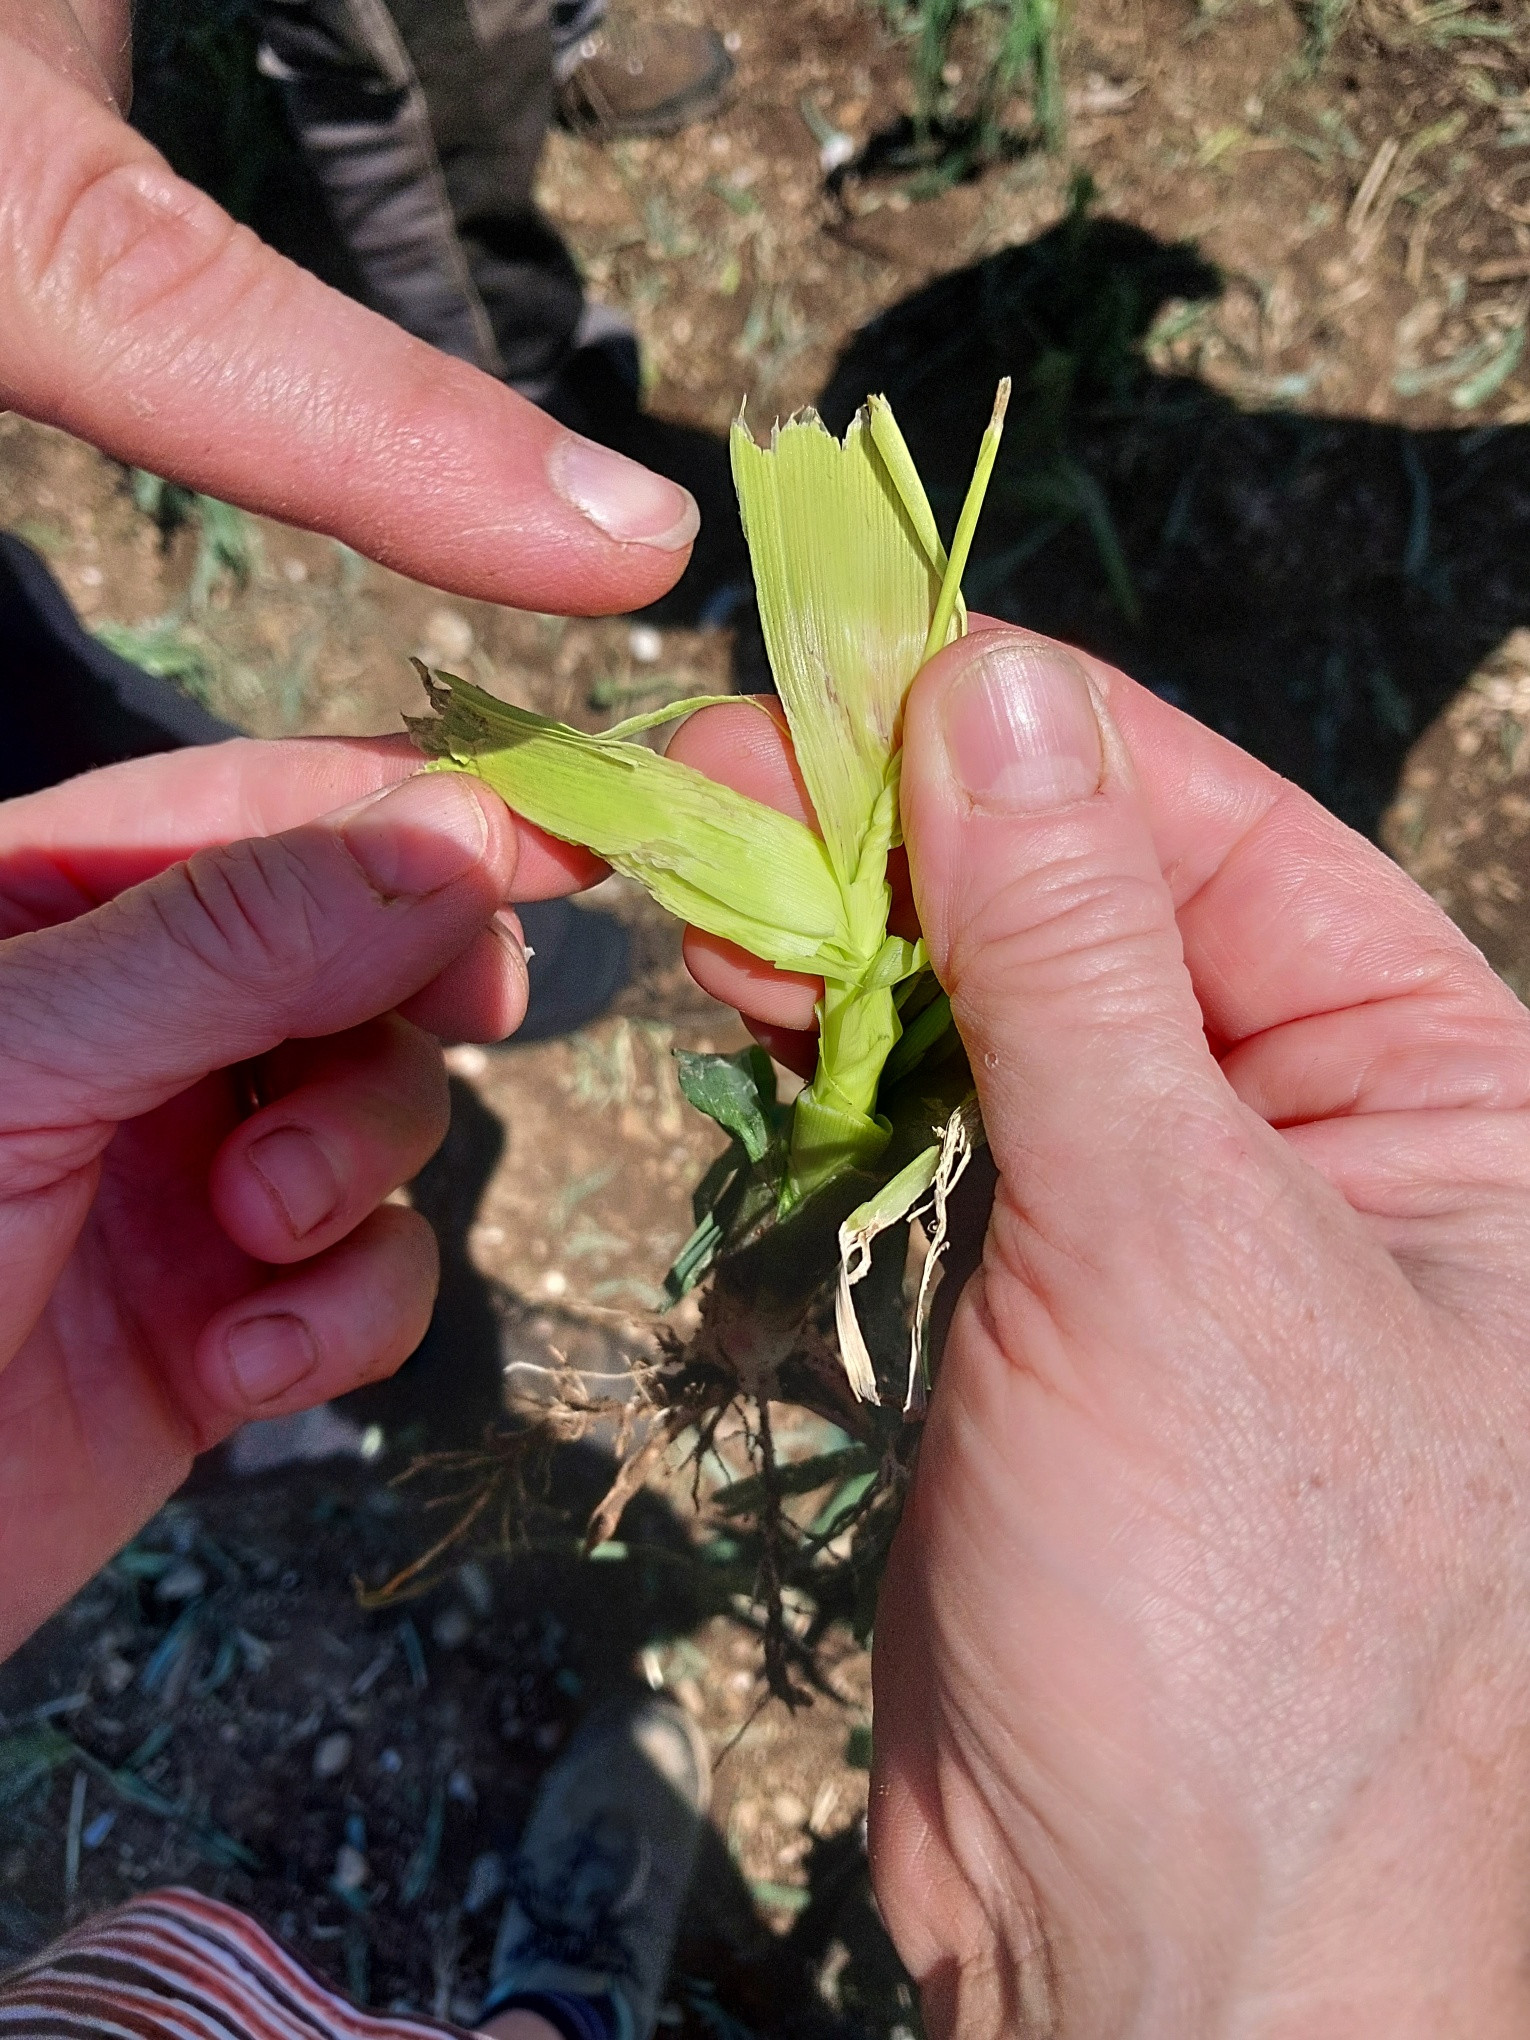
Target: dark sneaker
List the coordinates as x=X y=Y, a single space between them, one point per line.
x=642 y=78
x=599 y=1879
x=578 y=959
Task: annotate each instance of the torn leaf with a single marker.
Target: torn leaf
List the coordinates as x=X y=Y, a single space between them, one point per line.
x=963 y=1131
x=923 y=1187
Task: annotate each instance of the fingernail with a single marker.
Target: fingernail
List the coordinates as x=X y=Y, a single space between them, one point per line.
x=1020 y=728
x=507 y=926
x=512 y=937
x=298 y=1177
x=627 y=502
x=270 y=1355
x=420 y=836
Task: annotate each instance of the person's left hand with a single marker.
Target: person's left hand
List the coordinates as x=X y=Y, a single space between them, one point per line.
x=221 y=974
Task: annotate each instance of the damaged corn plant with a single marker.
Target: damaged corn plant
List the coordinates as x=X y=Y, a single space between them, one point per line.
x=809 y=1226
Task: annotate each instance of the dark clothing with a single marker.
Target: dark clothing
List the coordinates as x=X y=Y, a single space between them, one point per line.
x=69 y=704
x=424 y=121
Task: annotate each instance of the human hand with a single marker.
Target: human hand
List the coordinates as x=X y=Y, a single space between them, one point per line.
x=136 y=314
x=177 y=1256
x=1201 y=1657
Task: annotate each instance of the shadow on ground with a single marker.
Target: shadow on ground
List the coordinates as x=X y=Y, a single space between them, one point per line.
x=730 y=1966
x=221 y=1707
x=1315 y=588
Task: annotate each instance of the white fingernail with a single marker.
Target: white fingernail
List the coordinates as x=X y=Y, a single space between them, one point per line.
x=627 y=502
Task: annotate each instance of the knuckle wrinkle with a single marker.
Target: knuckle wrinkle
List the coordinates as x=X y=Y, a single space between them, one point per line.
x=128 y=238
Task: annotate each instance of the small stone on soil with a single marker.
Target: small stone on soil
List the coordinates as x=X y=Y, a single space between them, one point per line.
x=477 y=1590
x=452 y=1627
x=447 y=634
x=116 y=1675
x=486 y=1880
x=184 y=1581
x=332 y=1755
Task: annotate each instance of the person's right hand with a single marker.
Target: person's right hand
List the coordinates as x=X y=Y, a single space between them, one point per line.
x=136 y=314
x=1203 y=1660
x=221 y=972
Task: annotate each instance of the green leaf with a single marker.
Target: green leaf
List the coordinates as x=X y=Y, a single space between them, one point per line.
x=829 y=1138
x=694 y=1258
x=948 y=603
x=855 y=592
x=899 y=462
x=837 y=1511
x=800 y=1477
x=730 y=1197
x=714 y=858
x=421 y=1867
x=919 y=1035
x=28 y=1756
x=858 y=1749
x=783 y=1897
x=846 y=590
x=738 y=1091
x=671 y=711
x=1488 y=381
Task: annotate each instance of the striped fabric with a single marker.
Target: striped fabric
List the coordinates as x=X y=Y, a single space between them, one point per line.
x=176 y=1966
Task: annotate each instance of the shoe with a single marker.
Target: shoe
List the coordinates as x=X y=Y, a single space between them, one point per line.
x=599 y=1880
x=578 y=960
x=642 y=78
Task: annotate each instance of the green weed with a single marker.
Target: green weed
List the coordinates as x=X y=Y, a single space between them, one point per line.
x=1018 y=45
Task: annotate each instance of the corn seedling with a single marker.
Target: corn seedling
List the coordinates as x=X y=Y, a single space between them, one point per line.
x=1019 y=44
x=856 y=591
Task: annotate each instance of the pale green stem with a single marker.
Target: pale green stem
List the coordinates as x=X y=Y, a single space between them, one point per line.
x=833 y=1126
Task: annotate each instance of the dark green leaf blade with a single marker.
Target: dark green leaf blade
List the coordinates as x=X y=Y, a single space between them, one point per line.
x=738 y=1091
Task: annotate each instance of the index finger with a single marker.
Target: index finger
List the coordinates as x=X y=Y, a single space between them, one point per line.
x=135 y=313
x=73 y=846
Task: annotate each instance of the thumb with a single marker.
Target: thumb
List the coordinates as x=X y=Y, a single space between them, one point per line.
x=1049 y=921
x=221 y=958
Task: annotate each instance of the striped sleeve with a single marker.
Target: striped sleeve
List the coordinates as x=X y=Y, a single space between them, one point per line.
x=174 y=1965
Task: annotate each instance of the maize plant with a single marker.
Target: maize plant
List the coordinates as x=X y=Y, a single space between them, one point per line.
x=856 y=591
x=1014 y=47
